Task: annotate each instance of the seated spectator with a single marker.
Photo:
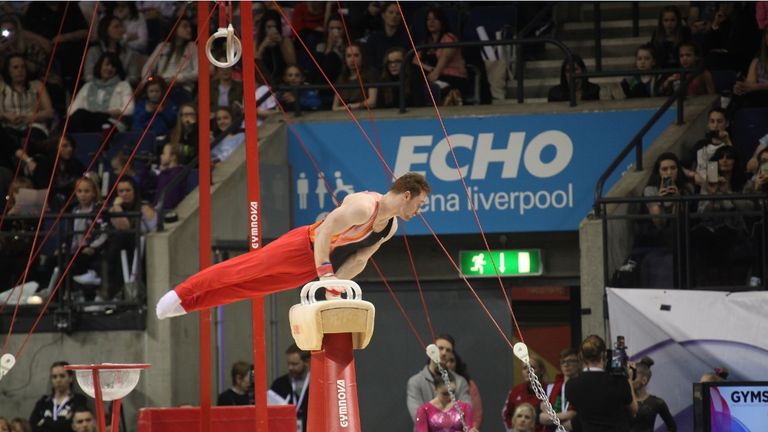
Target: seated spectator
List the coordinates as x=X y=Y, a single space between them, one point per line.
x=83 y=420
x=700 y=16
x=35 y=48
x=389 y=97
x=241 y=384
x=136 y=34
x=720 y=257
x=309 y=18
x=753 y=164
x=524 y=418
x=642 y=85
x=670 y=32
x=111 y=39
x=24 y=104
x=307 y=99
x=364 y=18
x=15 y=248
x=228 y=133
x=753 y=91
x=54 y=411
x=655 y=244
x=101 y=102
x=732 y=38
x=19 y=424
x=353 y=97
x=225 y=91
x=444 y=66
x=5 y=425
x=124 y=237
x=440 y=413
x=68 y=170
x=87 y=261
x=421 y=388
x=169 y=169
x=456 y=365
x=43 y=19
x=648 y=405
x=523 y=393
x=274 y=52
x=392 y=35
x=717 y=136
x=330 y=52
x=689 y=59
x=167 y=60
x=148 y=103
x=570 y=366
x=759 y=181
x=585 y=90
x=185 y=132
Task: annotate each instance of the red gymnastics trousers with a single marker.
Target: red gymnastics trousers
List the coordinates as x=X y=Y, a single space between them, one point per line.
x=286 y=263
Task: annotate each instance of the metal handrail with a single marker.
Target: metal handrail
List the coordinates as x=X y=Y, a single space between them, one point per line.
x=636 y=142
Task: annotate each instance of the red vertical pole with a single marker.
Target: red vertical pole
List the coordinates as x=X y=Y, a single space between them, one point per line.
x=100 y=419
x=254 y=208
x=116 y=415
x=203 y=123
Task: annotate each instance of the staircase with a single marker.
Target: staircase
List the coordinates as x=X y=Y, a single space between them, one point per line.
x=618 y=45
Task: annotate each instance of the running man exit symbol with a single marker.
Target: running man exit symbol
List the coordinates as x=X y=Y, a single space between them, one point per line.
x=478 y=262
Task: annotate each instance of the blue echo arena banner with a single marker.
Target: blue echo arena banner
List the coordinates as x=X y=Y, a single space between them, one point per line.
x=525 y=173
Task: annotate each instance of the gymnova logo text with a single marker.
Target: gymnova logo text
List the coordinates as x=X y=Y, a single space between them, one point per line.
x=341 y=393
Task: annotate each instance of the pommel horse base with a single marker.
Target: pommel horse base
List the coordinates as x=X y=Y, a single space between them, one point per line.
x=331 y=329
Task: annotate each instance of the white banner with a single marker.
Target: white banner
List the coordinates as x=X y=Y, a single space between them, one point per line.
x=689 y=333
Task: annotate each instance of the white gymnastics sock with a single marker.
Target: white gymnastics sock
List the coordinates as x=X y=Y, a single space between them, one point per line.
x=169 y=306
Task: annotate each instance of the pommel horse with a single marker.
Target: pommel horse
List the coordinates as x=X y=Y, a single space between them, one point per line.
x=331 y=329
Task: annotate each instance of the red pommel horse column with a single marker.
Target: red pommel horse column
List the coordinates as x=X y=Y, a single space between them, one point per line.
x=331 y=329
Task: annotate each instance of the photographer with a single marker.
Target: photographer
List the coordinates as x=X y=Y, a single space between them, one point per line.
x=604 y=401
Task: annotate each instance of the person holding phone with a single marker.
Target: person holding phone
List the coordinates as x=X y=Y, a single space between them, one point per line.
x=759 y=181
x=666 y=180
x=274 y=52
x=718 y=241
x=716 y=136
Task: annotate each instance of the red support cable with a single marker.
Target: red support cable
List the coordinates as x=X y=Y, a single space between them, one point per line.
x=388 y=177
x=97 y=154
x=35 y=111
x=458 y=169
x=50 y=181
x=203 y=123
x=357 y=123
x=254 y=207
x=328 y=187
x=103 y=205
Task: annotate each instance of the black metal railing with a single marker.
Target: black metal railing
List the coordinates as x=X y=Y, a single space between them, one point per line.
x=754 y=212
x=20 y=230
x=636 y=143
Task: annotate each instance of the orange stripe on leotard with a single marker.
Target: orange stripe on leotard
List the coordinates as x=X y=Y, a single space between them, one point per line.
x=353 y=233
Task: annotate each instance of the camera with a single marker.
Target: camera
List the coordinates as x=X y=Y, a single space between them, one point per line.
x=713 y=134
x=617 y=358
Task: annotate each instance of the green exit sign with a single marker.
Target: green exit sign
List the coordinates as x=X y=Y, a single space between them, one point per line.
x=511 y=262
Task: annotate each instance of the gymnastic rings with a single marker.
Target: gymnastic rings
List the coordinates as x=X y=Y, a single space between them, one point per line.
x=234 y=47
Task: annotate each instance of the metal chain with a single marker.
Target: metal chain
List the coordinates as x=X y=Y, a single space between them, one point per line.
x=447 y=381
x=541 y=394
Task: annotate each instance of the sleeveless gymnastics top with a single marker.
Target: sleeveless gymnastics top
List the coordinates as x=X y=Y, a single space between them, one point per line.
x=348 y=242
